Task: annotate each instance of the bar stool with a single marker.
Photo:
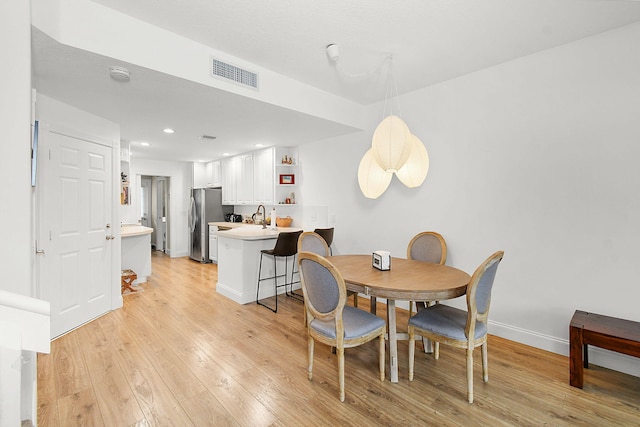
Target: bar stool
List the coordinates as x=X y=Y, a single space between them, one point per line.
x=327 y=235
x=286 y=246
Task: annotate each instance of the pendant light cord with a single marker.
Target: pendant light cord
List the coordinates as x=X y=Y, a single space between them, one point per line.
x=391 y=89
x=361 y=75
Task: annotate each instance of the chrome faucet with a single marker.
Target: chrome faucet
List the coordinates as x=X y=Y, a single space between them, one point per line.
x=264 y=215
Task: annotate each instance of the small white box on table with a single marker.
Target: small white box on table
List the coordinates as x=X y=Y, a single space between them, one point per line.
x=381 y=260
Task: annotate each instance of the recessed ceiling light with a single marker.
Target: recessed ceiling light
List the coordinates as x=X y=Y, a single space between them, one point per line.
x=225 y=154
x=144 y=144
x=259 y=145
x=168 y=130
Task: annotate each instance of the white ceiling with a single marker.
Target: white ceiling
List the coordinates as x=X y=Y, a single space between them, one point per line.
x=430 y=41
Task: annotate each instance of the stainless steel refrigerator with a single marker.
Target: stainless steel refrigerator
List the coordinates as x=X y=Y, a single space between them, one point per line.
x=205 y=207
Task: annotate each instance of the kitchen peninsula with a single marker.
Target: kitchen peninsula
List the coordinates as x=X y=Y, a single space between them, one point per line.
x=239 y=259
x=136 y=250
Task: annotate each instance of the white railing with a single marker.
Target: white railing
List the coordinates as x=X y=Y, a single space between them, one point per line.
x=24 y=330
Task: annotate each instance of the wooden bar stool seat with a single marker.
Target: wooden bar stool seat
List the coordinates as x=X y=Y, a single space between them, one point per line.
x=127 y=278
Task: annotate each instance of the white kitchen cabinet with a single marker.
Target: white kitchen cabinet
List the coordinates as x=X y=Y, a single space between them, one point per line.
x=263 y=177
x=199 y=174
x=229 y=174
x=213 y=244
x=244 y=183
x=215 y=174
x=267 y=177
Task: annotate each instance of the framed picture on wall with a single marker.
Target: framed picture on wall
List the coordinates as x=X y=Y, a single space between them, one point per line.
x=287 y=179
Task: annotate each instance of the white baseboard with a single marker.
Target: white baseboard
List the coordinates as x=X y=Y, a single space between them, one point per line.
x=597 y=356
x=247 y=297
x=176 y=254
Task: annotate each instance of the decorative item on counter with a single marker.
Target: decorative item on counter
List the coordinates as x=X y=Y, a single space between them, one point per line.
x=292 y=197
x=273 y=218
x=123 y=177
x=381 y=260
x=284 y=222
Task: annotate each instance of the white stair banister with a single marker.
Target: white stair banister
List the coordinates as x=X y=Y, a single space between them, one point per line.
x=24 y=330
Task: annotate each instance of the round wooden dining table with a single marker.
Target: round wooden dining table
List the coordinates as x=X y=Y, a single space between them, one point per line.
x=408 y=280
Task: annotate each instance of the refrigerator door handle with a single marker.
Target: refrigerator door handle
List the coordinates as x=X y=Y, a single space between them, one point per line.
x=192 y=217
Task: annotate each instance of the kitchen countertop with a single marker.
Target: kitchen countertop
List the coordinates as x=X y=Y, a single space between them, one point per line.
x=252 y=232
x=228 y=224
x=130 y=230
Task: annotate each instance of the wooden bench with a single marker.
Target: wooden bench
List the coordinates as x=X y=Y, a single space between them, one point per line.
x=622 y=336
x=126 y=280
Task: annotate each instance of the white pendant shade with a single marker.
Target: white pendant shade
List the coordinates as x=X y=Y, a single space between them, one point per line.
x=414 y=171
x=390 y=143
x=372 y=178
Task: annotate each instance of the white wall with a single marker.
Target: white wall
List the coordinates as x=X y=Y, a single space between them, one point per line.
x=181 y=178
x=537 y=157
x=16 y=254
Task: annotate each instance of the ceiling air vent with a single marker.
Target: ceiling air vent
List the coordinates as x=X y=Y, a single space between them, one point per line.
x=235 y=74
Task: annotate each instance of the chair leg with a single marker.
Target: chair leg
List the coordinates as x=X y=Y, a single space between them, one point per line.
x=412 y=350
x=382 y=356
x=355 y=300
x=485 y=363
x=436 y=349
x=259 y=273
x=470 y=375
x=291 y=282
x=341 y=372
x=258 y=287
x=275 y=284
x=275 y=281
x=310 y=368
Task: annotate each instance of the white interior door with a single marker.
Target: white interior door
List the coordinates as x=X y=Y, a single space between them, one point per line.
x=145 y=202
x=75 y=218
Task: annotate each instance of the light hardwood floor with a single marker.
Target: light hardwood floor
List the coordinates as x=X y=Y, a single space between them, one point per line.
x=180 y=354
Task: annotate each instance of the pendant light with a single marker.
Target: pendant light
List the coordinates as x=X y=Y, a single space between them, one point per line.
x=414 y=171
x=394 y=149
x=373 y=180
x=391 y=144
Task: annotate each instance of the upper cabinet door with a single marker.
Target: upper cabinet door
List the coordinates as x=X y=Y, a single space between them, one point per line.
x=244 y=183
x=216 y=176
x=229 y=172
x=263 y=177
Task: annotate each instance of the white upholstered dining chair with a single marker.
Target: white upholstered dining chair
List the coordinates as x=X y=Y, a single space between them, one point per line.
x=459 y=328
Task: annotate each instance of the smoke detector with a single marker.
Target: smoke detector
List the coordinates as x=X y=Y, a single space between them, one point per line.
x=119 y=73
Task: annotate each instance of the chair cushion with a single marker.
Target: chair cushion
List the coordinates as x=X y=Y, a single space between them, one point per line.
x=356 y=324
x=447 y=321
